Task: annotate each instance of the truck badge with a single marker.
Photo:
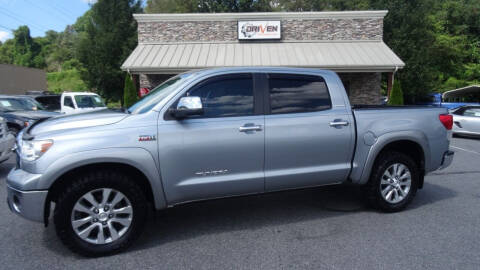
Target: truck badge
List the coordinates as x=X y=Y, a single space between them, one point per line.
x=145 y=138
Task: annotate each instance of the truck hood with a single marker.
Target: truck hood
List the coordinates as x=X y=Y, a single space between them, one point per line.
x=92 y=119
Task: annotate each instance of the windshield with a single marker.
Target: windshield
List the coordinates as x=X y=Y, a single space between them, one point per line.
x=156 y=95
x=19 y=104
x=89 y=101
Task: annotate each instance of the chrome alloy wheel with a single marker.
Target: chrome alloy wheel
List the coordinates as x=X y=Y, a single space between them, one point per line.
x=102 y=216
x=395 y=183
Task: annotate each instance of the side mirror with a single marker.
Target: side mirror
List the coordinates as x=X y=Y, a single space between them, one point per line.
x=187 y=106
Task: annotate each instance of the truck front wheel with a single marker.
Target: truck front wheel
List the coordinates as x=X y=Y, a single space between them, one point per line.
x=100 y=213
x=393 y=182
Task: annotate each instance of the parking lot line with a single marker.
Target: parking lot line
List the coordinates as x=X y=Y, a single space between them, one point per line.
x=470 y=151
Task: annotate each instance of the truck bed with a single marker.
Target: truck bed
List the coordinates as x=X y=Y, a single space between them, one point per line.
x=387 y=107
x=379 y=122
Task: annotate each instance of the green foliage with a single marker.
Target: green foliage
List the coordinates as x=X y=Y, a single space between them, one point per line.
x=184 y=6
x=110 y=36
x=114 y=105
x=396 y=95
x=6 y=52
x=66 y=80
x=129 y=93
x=26 y=51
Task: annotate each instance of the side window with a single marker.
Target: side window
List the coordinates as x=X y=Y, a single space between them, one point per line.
x=226 y=96
x=475 y=112
x=291 y=93
x=68 y=102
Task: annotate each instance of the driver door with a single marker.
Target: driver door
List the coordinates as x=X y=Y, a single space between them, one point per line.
x=219 y=153
x=68 y=105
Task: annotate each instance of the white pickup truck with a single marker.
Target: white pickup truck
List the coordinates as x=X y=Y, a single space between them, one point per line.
x=80 y=102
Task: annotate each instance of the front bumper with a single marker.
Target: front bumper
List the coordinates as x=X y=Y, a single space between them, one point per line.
x=22 y=199
x=28 y=204
x=447 y=159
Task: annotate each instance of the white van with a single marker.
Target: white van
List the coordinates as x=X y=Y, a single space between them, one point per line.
x=79 y=102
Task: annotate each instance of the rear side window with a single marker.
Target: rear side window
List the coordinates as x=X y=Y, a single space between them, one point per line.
x=472 y=112
x=291 y=93
x=49 y=102
x=226 y=96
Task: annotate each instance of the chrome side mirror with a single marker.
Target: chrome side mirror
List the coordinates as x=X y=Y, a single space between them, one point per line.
x=188 y=106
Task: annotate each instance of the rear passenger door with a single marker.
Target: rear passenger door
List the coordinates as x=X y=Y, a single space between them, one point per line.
x=308 y=141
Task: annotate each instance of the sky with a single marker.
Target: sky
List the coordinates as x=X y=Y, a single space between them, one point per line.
x=39 y=15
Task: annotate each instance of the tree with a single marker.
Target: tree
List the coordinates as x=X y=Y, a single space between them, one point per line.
x=129 y=94
x=6 y=52
x=26 y=51
x=396 y=95
x=110 y=36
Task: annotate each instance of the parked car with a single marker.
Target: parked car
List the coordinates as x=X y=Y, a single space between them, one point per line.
x=80 y=102
x=217 y=133
x=7 y=140
x=466 y=121
x=21 y=111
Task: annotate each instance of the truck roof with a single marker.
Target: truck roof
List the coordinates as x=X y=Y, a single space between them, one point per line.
x=80 y=93
x=258 y=69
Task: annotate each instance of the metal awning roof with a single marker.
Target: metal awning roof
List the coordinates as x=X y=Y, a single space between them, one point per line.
x=462 y=92
x=340 y=56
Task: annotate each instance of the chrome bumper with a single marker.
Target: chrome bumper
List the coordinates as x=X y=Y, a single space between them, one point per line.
x=447 y=159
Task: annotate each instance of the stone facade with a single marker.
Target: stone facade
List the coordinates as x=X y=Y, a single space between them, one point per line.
x=150 y=81
x=292 y=30
x=363 y=88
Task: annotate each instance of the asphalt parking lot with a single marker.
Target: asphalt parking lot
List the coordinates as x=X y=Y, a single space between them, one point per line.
x=323 y=228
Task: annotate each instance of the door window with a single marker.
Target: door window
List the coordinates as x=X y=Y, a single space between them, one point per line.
x=68 y=102
x=291 y=93
x=225 y=96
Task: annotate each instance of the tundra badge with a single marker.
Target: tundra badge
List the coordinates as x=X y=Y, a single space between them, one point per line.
x=144 y=138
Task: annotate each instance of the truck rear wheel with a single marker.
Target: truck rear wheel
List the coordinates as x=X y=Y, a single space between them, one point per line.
x=100 y=213
x=393 y=182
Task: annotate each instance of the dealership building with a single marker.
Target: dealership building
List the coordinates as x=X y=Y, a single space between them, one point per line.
x=348 y=42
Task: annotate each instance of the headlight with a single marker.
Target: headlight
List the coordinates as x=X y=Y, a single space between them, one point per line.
x=32 y=150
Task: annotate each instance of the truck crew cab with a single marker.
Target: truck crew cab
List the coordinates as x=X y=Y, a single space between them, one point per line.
x=217 y=133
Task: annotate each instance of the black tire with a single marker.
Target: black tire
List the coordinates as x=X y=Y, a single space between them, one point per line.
x=88 y=182
x=373 y=190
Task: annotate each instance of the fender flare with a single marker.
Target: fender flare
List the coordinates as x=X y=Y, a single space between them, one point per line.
x=138 y=158
x=387 y=138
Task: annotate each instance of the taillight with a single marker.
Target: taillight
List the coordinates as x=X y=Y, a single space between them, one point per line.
x=447 y=120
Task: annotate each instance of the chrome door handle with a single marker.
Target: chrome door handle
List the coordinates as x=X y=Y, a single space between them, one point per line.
x=338 y=123
x=250 y=128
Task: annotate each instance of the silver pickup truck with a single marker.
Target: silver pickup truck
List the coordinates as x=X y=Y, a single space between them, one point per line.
x=218 y=133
